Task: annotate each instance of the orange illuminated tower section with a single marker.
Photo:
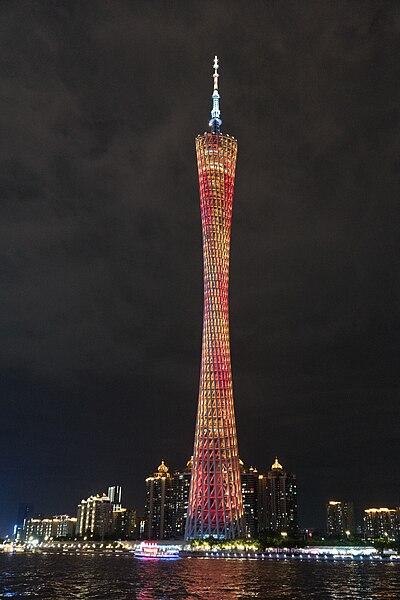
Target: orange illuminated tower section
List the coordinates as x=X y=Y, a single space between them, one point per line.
x=215 y=503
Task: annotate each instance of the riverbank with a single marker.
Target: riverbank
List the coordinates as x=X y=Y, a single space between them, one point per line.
x=287 y=554
x=183 y=550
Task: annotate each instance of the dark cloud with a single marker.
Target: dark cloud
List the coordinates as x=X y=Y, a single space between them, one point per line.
x=100 y=241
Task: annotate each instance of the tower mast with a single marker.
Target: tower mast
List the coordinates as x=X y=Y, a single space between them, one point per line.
x=215 y=122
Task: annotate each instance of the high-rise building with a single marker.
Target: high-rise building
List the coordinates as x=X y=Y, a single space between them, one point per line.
x=115 y=495
x=94 y=518
x=262 y=507
x=215 y=505
x=25 y=512
x=339 y=519
x=278 y=501
x=381 y=523
x=159 y=502
x=124 y=524
x=249 y=479
x=180 y=499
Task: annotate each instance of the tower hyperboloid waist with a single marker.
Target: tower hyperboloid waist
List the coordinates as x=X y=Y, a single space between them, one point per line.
x=215 y=503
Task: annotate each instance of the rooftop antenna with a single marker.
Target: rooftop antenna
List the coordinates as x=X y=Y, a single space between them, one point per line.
x=215 y=122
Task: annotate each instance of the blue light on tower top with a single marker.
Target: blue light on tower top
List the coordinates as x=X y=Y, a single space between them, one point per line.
x=215 y=122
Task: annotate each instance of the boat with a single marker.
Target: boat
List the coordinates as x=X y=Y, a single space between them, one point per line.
x=156 y=550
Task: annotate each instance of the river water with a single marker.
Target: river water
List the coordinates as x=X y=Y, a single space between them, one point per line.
x=121 y=577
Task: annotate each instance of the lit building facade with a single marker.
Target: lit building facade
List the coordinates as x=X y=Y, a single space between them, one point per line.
x=339 y=519
x=180 y=499
x=59 y=527
x=65 y=526
x=94 y=518
x=159 y=505
x=124 y=524
x=25 y=512
x=277 y=507
x=249 y=479
x=381 y=523
x=115 y=495
x=215 y=505
x=39 y=529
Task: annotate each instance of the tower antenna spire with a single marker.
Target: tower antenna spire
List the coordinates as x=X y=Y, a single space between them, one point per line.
x=215 y=122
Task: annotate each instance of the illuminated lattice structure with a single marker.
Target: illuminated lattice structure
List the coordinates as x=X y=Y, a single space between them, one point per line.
x=215 y=504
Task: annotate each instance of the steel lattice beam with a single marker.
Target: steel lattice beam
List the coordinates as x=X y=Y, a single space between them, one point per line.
x=215 y=504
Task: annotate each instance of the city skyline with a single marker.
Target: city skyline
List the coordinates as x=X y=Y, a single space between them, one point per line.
x=101 y=304
x=270 y=513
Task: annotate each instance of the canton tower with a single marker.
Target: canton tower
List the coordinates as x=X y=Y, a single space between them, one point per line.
x=215 y=503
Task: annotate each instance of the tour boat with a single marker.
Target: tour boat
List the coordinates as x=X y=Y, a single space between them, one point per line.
x=156 y=550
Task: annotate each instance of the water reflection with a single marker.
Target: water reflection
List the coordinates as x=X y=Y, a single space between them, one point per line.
x=125 y=578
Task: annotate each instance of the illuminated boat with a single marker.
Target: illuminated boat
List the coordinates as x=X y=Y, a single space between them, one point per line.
x=157 y=550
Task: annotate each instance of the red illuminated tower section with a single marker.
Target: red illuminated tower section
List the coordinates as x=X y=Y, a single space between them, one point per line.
x=215 y=503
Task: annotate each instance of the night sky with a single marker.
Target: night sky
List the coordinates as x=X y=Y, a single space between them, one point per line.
x=100 y=241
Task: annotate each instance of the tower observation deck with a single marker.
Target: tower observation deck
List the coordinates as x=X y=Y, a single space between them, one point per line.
x=215 y=503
